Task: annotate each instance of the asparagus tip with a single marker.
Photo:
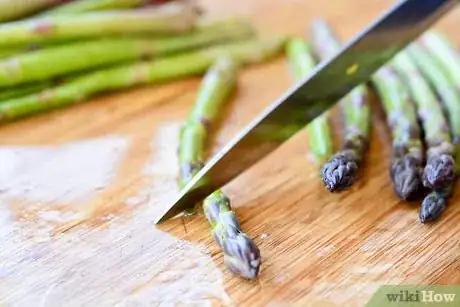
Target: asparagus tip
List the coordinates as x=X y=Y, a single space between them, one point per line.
x=339 y=172
x=439 y=172
x=242 y=256
x=406 y=177
x=432 y=207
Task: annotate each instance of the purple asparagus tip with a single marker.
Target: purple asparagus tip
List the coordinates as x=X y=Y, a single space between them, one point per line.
x=405 y=173
x=439 y=172
x=340 y=172
x=432 y=207
x=242 y=256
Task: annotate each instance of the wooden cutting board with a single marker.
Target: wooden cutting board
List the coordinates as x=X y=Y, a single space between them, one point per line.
x=80 y=188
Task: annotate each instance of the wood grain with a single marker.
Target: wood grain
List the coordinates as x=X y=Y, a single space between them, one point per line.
x=88 y=181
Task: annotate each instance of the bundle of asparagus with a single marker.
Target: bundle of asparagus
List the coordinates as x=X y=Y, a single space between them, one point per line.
x=66 y=59
x=85 y=86
x=241 y=255
x=439 y=171
x=340 y=171
x=434 y=204
x=318 y=130
x=447 y=57
x=61 y=43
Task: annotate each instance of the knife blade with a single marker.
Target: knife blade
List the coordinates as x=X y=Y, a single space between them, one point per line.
x=327 y=83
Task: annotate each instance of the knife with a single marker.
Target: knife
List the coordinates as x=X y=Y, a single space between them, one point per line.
x=315 y=94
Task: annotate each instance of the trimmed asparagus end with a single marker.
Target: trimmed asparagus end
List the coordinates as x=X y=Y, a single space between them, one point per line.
x=405 y=173
x=439 y=172
x=340 y=172
x=432 y=207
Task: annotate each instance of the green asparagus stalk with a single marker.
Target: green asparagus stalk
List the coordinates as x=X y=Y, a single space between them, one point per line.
x=130 y=75
x=406 y=167
x=62 y=60
x=170 y=18
x=7 y=52
x=439 y=171
x=82 y=6
x=447 y=58
x=241 y=255
x=340 y=171
x=24 y=90
x=443 y=52
x=319 y=134
x=217 y=85
x=14 y=9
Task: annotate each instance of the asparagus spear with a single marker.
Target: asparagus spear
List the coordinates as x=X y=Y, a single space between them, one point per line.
x=7 y=52
x=340 y=171
x=406 y=167
x=447 y=58
x=241 y=255
x=81 y=6
x=217 y=85
x=61 y=60
x=318 y=130
x=443 y=52
x=23 y=90
x=170 y=18
x=13 y=9
x=439 y=171
x=129 y=75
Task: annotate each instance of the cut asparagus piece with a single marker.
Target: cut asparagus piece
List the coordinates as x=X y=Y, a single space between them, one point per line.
x=446 y=57
x=406 y=166
x=81 y=6
x=340 y=171
x=61 y=60
x=319 y=134
x=439 y=171
x=241 y=255
x=170 y=18
x=130 y=75
x=14 y=9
